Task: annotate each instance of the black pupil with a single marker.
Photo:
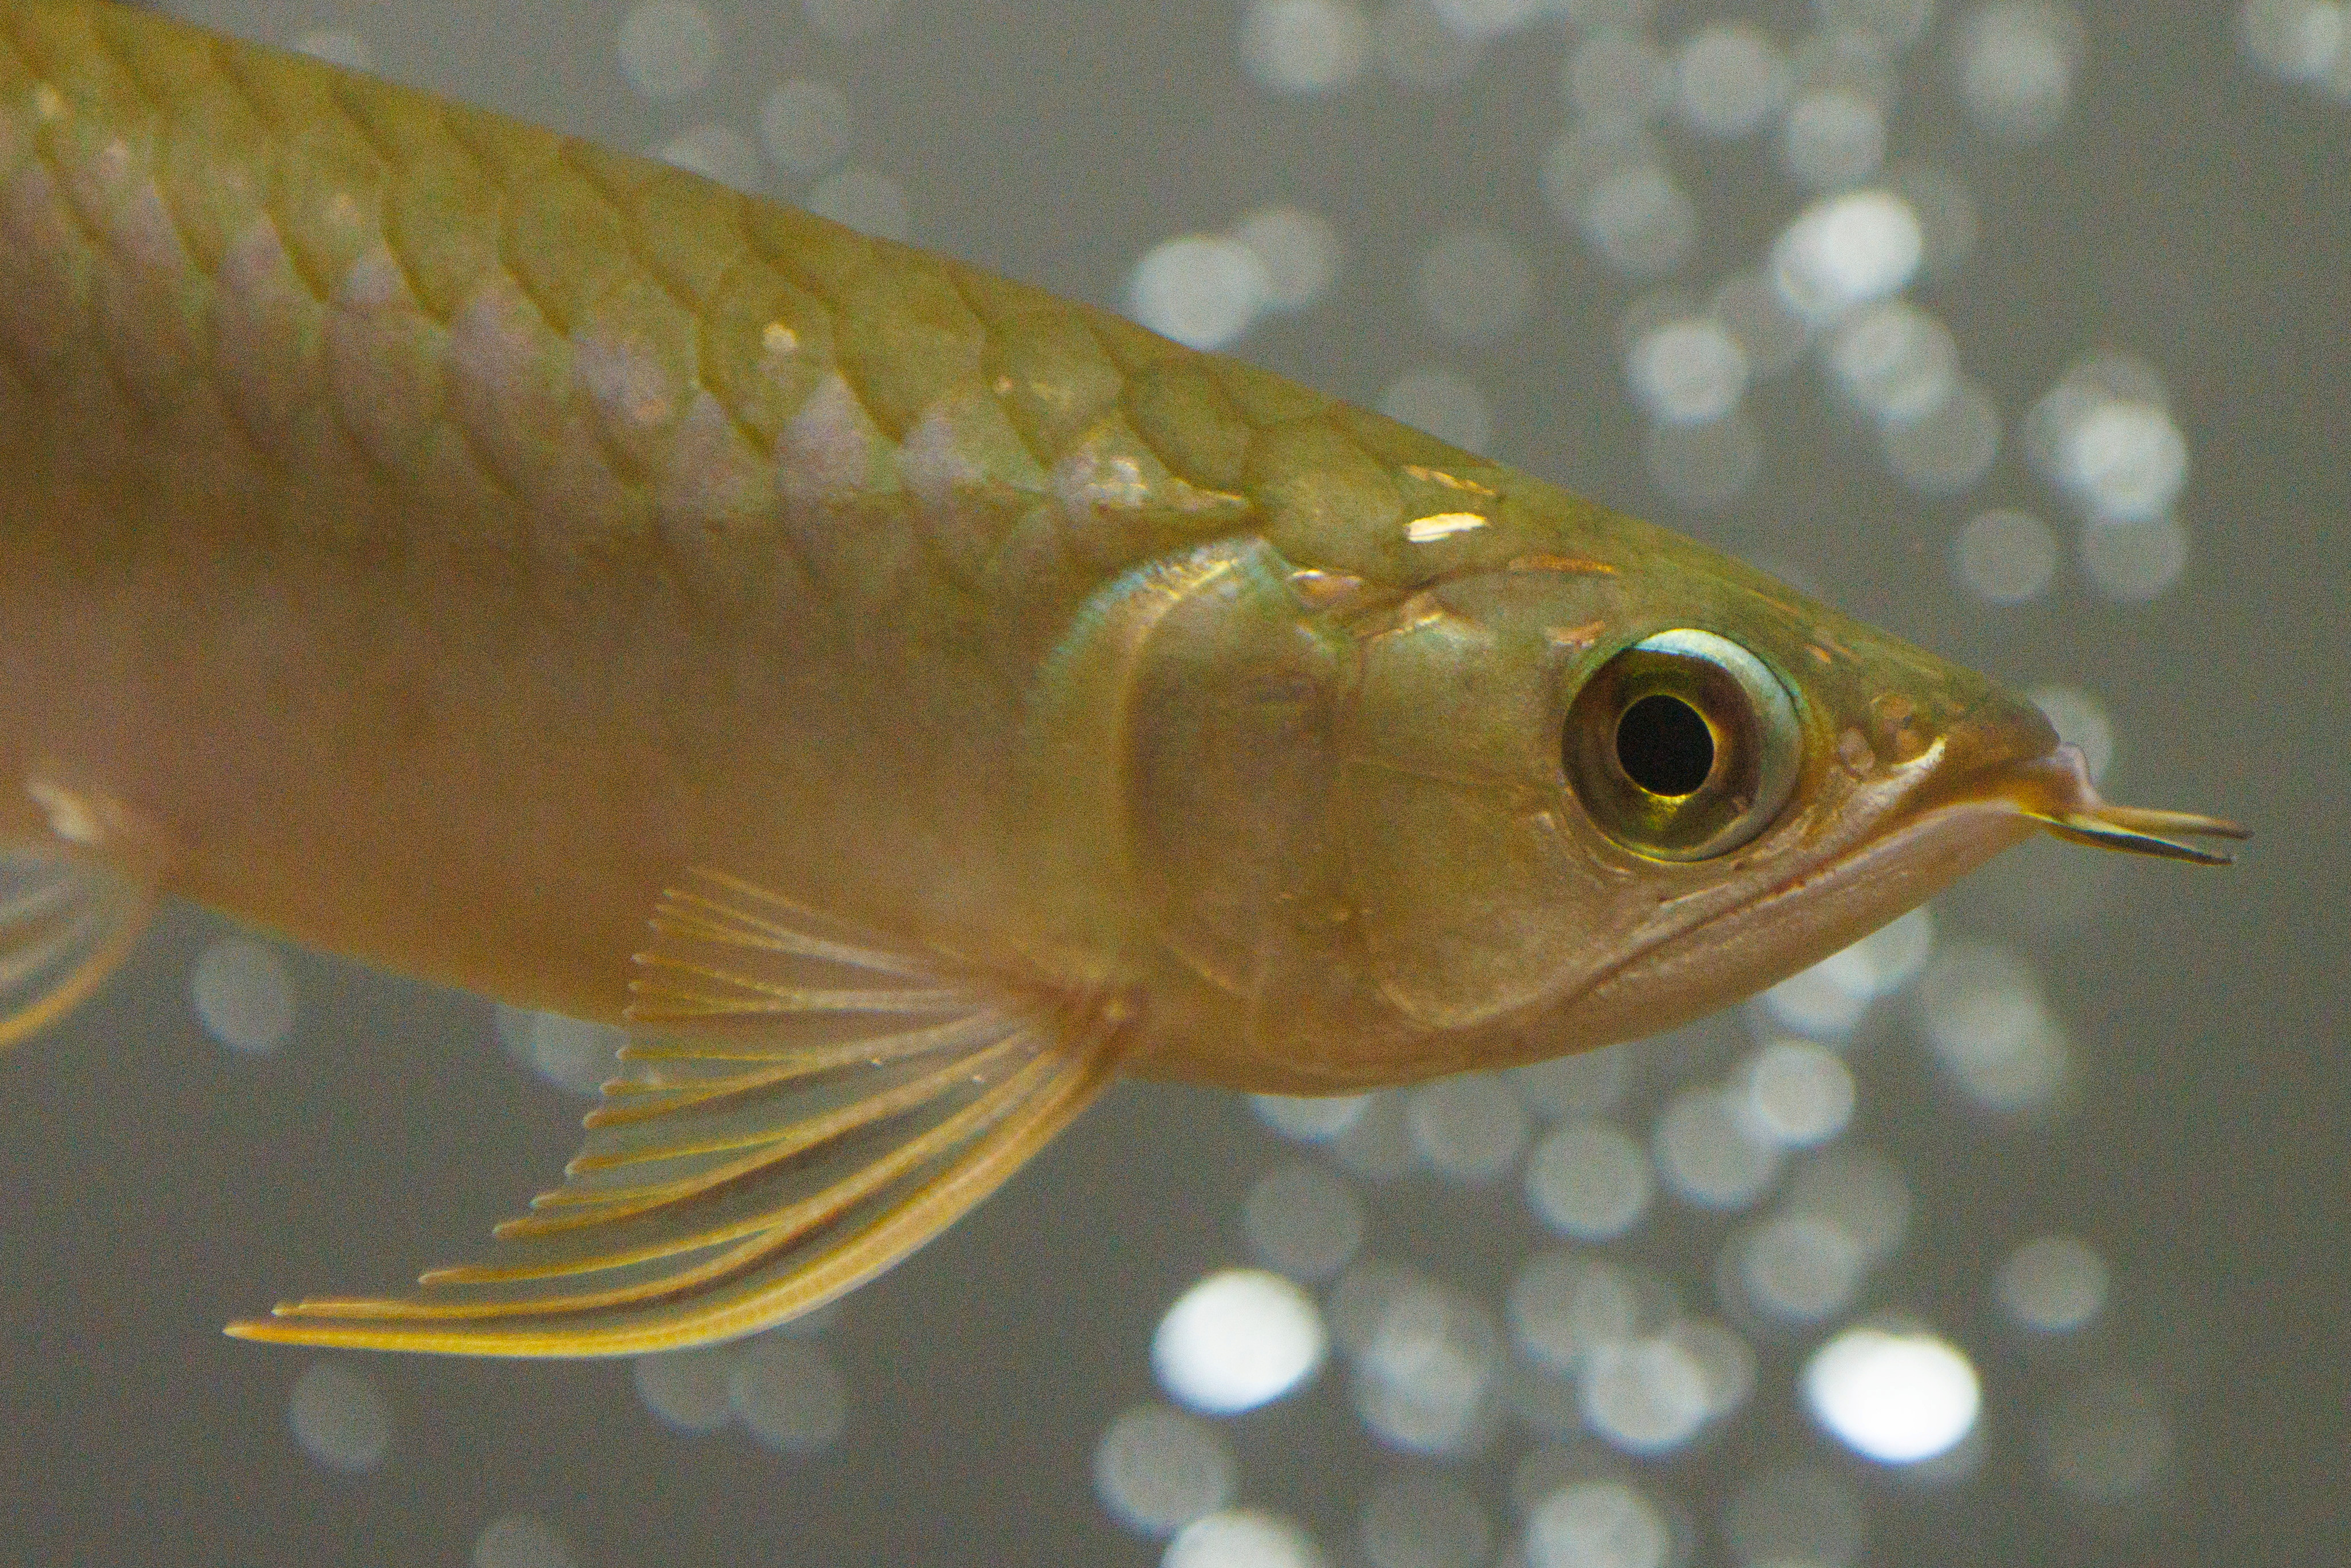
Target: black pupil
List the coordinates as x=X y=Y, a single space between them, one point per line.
x=1663 y=745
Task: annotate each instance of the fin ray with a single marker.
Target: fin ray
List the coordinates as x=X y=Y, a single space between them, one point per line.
x=760 y=1155
x=797 y=1136
x=71 y=906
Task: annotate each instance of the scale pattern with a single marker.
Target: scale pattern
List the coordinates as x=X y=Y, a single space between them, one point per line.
x=400 y=314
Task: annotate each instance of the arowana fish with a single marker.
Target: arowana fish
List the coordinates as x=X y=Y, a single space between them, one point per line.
x=452 y=545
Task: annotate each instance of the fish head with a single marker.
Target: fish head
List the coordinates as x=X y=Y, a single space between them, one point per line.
x=1589 y=796
x=1546 y=799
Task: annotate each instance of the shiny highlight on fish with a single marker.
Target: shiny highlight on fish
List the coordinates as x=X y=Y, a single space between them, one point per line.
x=900 y=699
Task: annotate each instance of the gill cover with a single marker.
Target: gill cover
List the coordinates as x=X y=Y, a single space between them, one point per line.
x=1486 y=872
x=1182 y=761
x=1349 y=808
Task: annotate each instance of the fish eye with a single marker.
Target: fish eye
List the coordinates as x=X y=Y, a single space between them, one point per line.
x=1682 y=747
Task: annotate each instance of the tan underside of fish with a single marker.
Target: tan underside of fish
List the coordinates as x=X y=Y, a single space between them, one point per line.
x=900 y=697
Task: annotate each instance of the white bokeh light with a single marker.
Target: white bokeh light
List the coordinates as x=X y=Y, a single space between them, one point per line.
x=804 y=125
x=689 y=1390
x=1846 y=251
x=1832 y=141
x=2124 y=461
x=1948 y=223
x=1590 y=1180
x=1889 y=958
x=1947 y=447
x=667 y=48
x=1770 y=333
x=1892 y=25
x=1725 y=1361
x=1425 y=1359
x=1646 y=1395
x=1304 y=1220
x=1892 y=361
x=1885 y=961
x=1468 y=1128
x=242 y=995
x=1566 y=1306
x=2053 y=1284
x=1612 y=184
x=1616 y=78
x=1202 y=290
x=714 y=152
x=1238 y=1339
x=1487 y=18
x=1816 y=1002
x=865 y=199
x=2005 y=557
x=2297 y=40
x=2080 y=720
x=1686 y=372
x=2104 y=436
x=339 y=1417
x=1730 y=78
x=572 y=1053
x=1798 y=1092
x=1858 y=1191
x=1588 y=1084
x=2133 y=563
x=1799 y=1268
x=337 y=46
x=1597 y=1524
x=1157 y=1469
x=787 y=1394
x=1706 y=1153
x=1304 y=47
x=1418 y=49
x=1310 y=1118
x=522 y=1541
x=1242 y=1538
x=2016 y=65
x=1896 y=1395
x=1300 y=252
x=1378 y=1145
x=1983 y=1012
x=846 y=21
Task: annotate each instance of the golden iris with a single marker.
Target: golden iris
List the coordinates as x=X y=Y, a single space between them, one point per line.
x=1683 y=746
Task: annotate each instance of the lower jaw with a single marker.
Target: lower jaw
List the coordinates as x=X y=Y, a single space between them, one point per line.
x=1735 y=954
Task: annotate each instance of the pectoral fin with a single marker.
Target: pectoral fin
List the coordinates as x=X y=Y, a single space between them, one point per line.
x=801 y=1108
x=72 y=904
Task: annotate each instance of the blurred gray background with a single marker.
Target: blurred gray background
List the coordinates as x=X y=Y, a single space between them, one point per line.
x=2192 y=208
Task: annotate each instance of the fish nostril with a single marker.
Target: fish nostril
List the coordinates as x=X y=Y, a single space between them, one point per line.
x=1902 y=733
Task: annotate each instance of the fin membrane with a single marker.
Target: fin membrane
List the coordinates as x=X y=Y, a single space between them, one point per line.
x=71 y=908
x=801 y=1107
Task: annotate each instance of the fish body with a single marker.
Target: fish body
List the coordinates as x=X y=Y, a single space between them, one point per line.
x=450 y=545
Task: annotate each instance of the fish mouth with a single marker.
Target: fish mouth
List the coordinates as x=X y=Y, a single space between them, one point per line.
x=1983 y=786
x=2004 y=755
x=2054 y=790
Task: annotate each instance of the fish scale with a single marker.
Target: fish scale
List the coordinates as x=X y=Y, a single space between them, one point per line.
x=545 y=298
x=900 y=699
